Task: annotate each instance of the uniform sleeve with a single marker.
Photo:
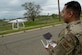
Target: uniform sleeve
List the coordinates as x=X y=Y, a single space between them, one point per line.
x=65 y=45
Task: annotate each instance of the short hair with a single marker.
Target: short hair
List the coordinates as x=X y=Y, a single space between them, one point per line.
x=75 y=7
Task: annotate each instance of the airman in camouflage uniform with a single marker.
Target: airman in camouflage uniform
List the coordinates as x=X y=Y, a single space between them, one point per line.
x=70 y=38
x=70 y=42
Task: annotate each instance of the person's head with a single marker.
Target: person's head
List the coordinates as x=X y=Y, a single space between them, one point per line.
x=71 y=11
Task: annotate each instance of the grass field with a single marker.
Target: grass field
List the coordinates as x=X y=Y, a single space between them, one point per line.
x=6 y=28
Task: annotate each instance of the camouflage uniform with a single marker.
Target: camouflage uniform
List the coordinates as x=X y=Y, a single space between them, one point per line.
x=70 y=40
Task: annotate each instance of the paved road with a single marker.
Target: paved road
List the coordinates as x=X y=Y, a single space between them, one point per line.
x=27 y=43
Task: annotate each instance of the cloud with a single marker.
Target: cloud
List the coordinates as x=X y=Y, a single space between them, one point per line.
x=51 y=6
x=11 y=14
x=13 y=2
x=13 y=9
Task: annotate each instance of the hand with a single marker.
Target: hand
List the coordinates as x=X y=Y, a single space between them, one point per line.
x=55 y=41
x=50 y=50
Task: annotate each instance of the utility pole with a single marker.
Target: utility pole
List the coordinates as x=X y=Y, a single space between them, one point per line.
x=59 y=10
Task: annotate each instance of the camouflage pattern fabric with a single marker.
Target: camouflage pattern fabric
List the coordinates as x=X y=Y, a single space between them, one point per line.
x=70 y=40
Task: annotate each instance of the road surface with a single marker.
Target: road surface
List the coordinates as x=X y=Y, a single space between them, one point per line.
x=27 y=43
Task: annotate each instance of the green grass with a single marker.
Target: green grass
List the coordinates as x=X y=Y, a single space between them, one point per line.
x=6 y=28
x=38 y=23
x=30 y=27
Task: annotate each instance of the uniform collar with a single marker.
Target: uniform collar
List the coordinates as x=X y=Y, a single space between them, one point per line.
x=73 y=23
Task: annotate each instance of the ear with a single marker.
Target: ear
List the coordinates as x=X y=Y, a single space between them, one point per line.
x=70 y=13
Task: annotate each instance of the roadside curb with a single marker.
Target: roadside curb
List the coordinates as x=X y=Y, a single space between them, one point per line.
x=30 y=30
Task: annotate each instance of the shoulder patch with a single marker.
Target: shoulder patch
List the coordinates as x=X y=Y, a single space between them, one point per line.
x=67 y=46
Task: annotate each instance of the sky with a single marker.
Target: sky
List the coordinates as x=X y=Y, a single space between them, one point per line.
x=12 y=8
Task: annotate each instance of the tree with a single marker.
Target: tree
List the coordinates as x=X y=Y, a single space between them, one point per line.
x=32 y=10
x=54 y=15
